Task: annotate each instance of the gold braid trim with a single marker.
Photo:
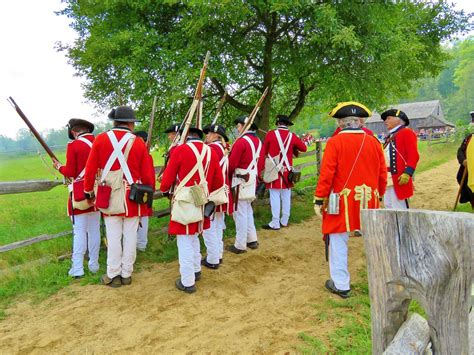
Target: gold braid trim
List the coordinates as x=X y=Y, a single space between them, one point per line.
x=363 y=194
x=345 y=193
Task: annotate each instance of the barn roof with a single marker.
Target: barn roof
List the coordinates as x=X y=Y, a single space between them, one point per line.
x=414 y=110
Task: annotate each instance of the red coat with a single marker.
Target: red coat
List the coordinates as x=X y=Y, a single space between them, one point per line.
x=367 y=181
x=241 y=154
x=366 y=130
x=272 y=148
x=403 y=155
x=217 y=146
x=139 y=163
x=77 y=153
x=180 y=164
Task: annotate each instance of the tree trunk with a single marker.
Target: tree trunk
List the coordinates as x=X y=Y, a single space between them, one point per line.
x=421 y=255
x=265 y=110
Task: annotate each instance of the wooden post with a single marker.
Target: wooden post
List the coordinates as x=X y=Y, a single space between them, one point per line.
x=318 y=151
x=421 y=255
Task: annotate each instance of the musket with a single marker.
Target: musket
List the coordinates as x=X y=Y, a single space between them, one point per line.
x=196 y=101
x=150 y=127
x=463 y=179
x=219 y=108
x=249 y=121
x=32 y=129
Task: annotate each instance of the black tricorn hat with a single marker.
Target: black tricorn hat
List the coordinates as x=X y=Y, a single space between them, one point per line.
x=283 y=119
x=241 y=120
x=472 y=115
x=396 y=113
x=173 y=128
x=74 y=122
x=123 y=114
x=220 y=130
x=351 y=108
x=194 y=130
x=142 y=134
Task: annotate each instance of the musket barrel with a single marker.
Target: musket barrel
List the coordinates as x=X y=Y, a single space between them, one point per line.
x=32 y=128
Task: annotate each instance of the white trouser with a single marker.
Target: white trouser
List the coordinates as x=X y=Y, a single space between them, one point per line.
x=121 y=245
x=280 y=198
x=391 y=200
x=244 y=225
x=338 y=260
x=86 y=231
x=142 y=236
x=213 y=238
x=220 y=217
x=189 y=254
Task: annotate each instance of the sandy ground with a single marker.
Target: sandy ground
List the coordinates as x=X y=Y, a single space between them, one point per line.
x=257 y=302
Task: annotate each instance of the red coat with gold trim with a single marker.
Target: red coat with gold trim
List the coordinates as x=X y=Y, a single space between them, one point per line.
x=218 y=147
x=362 y=188
x=77 y=153
x=139 y=163
x=180 y=164
x=402 y=146
x=272 y=148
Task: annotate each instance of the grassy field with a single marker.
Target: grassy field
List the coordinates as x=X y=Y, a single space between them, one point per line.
x=34 y=272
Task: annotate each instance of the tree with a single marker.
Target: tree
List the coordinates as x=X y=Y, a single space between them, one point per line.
x=304 y=51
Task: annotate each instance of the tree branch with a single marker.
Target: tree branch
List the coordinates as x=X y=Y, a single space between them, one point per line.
x=230 y=99
x=285 y=27
x=253 y=64
x=303 y=92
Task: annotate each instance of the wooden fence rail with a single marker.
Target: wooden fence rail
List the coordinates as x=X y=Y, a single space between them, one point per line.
x=16 y=187
x=157 y=195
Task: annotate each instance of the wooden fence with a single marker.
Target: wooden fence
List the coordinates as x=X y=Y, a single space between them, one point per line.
x=44 y=185
x=425 y=256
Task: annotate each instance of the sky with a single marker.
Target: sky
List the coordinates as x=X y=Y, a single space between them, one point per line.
x=37 y=76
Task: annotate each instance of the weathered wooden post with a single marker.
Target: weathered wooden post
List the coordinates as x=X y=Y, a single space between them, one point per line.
x=425 y=256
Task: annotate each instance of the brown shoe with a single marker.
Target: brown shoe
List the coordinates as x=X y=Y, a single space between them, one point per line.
x=126 y=281
x=114 y=282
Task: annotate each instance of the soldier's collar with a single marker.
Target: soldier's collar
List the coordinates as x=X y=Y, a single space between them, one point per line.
x=396 y=129
x=193 y=139
x=126 y=129
x=351 y=130
x=283 y=127
x=83 y=134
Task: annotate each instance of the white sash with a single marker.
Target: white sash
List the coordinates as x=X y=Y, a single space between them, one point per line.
x=283 y=149
x=89 y=143
x=251 y=169
x=117 y=154
x=198 y=166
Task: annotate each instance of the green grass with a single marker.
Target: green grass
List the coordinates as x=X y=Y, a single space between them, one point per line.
x=434 y=155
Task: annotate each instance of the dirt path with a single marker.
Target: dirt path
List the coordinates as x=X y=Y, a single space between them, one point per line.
x=255 y=303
